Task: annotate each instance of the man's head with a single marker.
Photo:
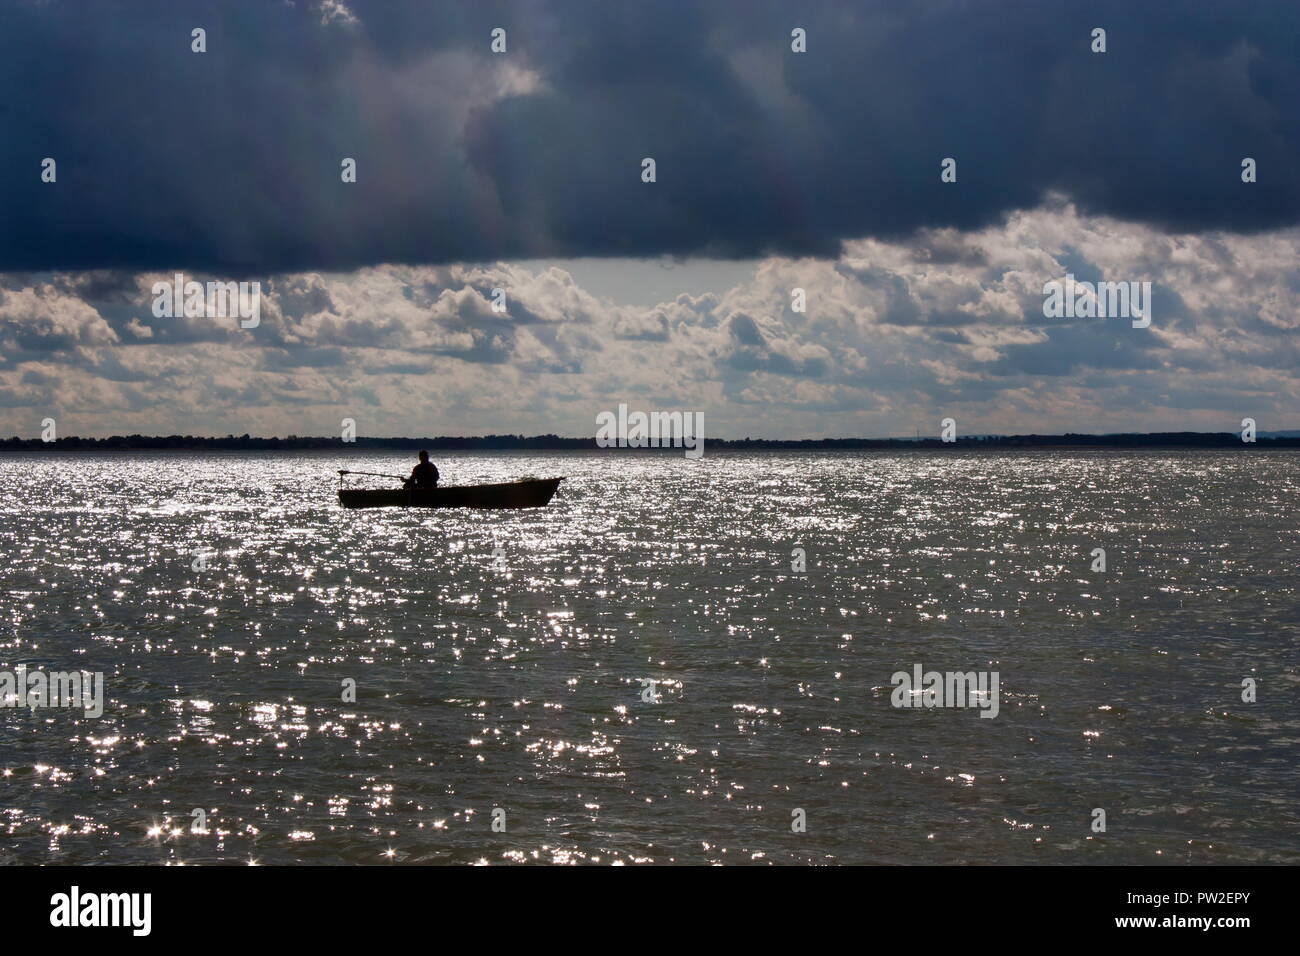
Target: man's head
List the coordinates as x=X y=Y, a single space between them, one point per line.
x=424 y=456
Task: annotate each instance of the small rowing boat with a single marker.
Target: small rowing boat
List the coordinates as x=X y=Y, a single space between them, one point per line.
x=529 y=493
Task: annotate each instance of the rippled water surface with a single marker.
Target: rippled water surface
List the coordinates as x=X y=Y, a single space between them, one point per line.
x=500 y=659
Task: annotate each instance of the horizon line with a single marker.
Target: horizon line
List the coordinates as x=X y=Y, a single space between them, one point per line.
x=136 y=441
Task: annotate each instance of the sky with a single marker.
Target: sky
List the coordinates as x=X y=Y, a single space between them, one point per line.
x=775 y=170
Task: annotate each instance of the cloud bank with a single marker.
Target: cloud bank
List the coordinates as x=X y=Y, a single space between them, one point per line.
x=897 y=334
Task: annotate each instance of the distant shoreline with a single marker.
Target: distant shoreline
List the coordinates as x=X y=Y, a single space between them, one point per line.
x=557 y=443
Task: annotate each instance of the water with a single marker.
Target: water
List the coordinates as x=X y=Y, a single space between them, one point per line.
x=520 y=688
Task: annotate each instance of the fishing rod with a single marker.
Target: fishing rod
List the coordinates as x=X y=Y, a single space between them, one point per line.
x=376 y=474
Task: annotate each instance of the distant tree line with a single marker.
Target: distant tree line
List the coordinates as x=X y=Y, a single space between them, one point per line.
x=536 y=442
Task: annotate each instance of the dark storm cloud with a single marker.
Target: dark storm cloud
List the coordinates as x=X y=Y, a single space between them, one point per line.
x=230 y=160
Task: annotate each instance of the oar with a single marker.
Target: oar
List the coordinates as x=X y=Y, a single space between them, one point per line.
x=376 y=474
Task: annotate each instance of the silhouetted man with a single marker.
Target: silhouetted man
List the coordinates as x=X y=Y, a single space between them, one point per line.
x=423 y=475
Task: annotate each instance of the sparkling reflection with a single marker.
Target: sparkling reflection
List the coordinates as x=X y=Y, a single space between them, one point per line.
x=500 y=659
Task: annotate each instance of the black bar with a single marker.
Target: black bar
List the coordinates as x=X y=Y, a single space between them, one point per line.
x=913 y=906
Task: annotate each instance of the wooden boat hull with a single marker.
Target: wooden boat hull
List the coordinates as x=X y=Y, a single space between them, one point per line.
x=530 y=493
